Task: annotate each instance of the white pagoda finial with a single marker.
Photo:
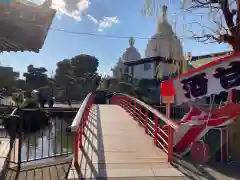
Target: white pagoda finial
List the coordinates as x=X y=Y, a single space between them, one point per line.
x=164 y=13
x=164 y=18
x=131 y=41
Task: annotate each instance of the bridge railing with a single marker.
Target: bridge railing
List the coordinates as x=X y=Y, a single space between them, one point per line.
x=177 y=112
x=151 y=120
x=79 y=124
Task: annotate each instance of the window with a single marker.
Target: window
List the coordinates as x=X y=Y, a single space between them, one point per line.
x=147 y=66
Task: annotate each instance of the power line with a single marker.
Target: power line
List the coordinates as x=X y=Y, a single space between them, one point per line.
x=110 y=36
x=92 y=34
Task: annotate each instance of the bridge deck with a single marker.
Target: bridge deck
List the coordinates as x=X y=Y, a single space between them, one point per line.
x=116 y=147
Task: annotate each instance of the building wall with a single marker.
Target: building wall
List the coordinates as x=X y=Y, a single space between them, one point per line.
x=139 y=72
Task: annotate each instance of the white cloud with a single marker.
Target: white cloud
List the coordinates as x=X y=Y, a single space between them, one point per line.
x=93 y=19
x=72 y=8
x=77 y=8
x=107 y=22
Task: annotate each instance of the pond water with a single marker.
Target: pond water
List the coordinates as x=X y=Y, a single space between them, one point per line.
x=48 y=142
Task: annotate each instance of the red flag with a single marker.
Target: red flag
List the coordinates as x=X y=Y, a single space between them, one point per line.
x=167 y=88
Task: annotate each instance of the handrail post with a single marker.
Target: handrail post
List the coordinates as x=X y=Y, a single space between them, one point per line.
x=146 y=121
x=129 y=105
x=135 y=110
x=81 y=131
x=122 y=99
x=139 y=114
x=76 y=148
x=124 y=102
x=132 y=107
x=79 y=124
x=119 y=101
x=155 y=129
x=170 y=144
x=170 y=136
x=85 y=116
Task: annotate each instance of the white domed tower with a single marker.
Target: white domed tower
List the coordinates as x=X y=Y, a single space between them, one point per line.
x=131 y=53
x=165 y=44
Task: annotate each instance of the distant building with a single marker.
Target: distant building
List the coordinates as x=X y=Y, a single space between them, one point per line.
x=131 y=54
x=164 y=56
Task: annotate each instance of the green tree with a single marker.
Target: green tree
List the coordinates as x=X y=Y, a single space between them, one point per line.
x=228 y=11
x=83 y=64
x=20 y=84
x=77 y=75
x=63 y=72
x=7 y=77
x=36 y=77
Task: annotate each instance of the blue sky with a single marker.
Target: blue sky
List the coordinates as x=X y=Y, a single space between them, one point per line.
x=124 y=19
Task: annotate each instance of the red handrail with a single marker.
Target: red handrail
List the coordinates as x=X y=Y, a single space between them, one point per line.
x=79 y=123
x=140 y=111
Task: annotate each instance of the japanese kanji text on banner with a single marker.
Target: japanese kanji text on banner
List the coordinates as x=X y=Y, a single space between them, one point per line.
x=212 y=79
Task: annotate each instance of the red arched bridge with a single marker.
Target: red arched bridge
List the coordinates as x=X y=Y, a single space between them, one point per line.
x=123 y=139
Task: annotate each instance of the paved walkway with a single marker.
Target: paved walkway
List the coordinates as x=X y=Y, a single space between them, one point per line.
x=116 y=147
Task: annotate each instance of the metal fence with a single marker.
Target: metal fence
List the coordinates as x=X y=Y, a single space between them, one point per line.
x=50 y=141
x=176 y=113
x=6 y=102
x=3 y=132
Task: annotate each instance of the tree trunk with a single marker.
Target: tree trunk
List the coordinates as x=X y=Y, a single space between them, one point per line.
x=235 y=43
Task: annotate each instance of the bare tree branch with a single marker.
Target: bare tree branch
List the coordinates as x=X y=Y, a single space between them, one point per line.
x=203 y=4
x=227 y=32
x=211 y=37
x=207 y=38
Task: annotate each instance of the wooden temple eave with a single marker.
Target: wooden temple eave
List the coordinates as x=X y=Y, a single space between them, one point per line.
x=25 y=27
x=8 y=46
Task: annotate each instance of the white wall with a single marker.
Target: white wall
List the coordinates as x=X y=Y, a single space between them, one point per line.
x=140 y=73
